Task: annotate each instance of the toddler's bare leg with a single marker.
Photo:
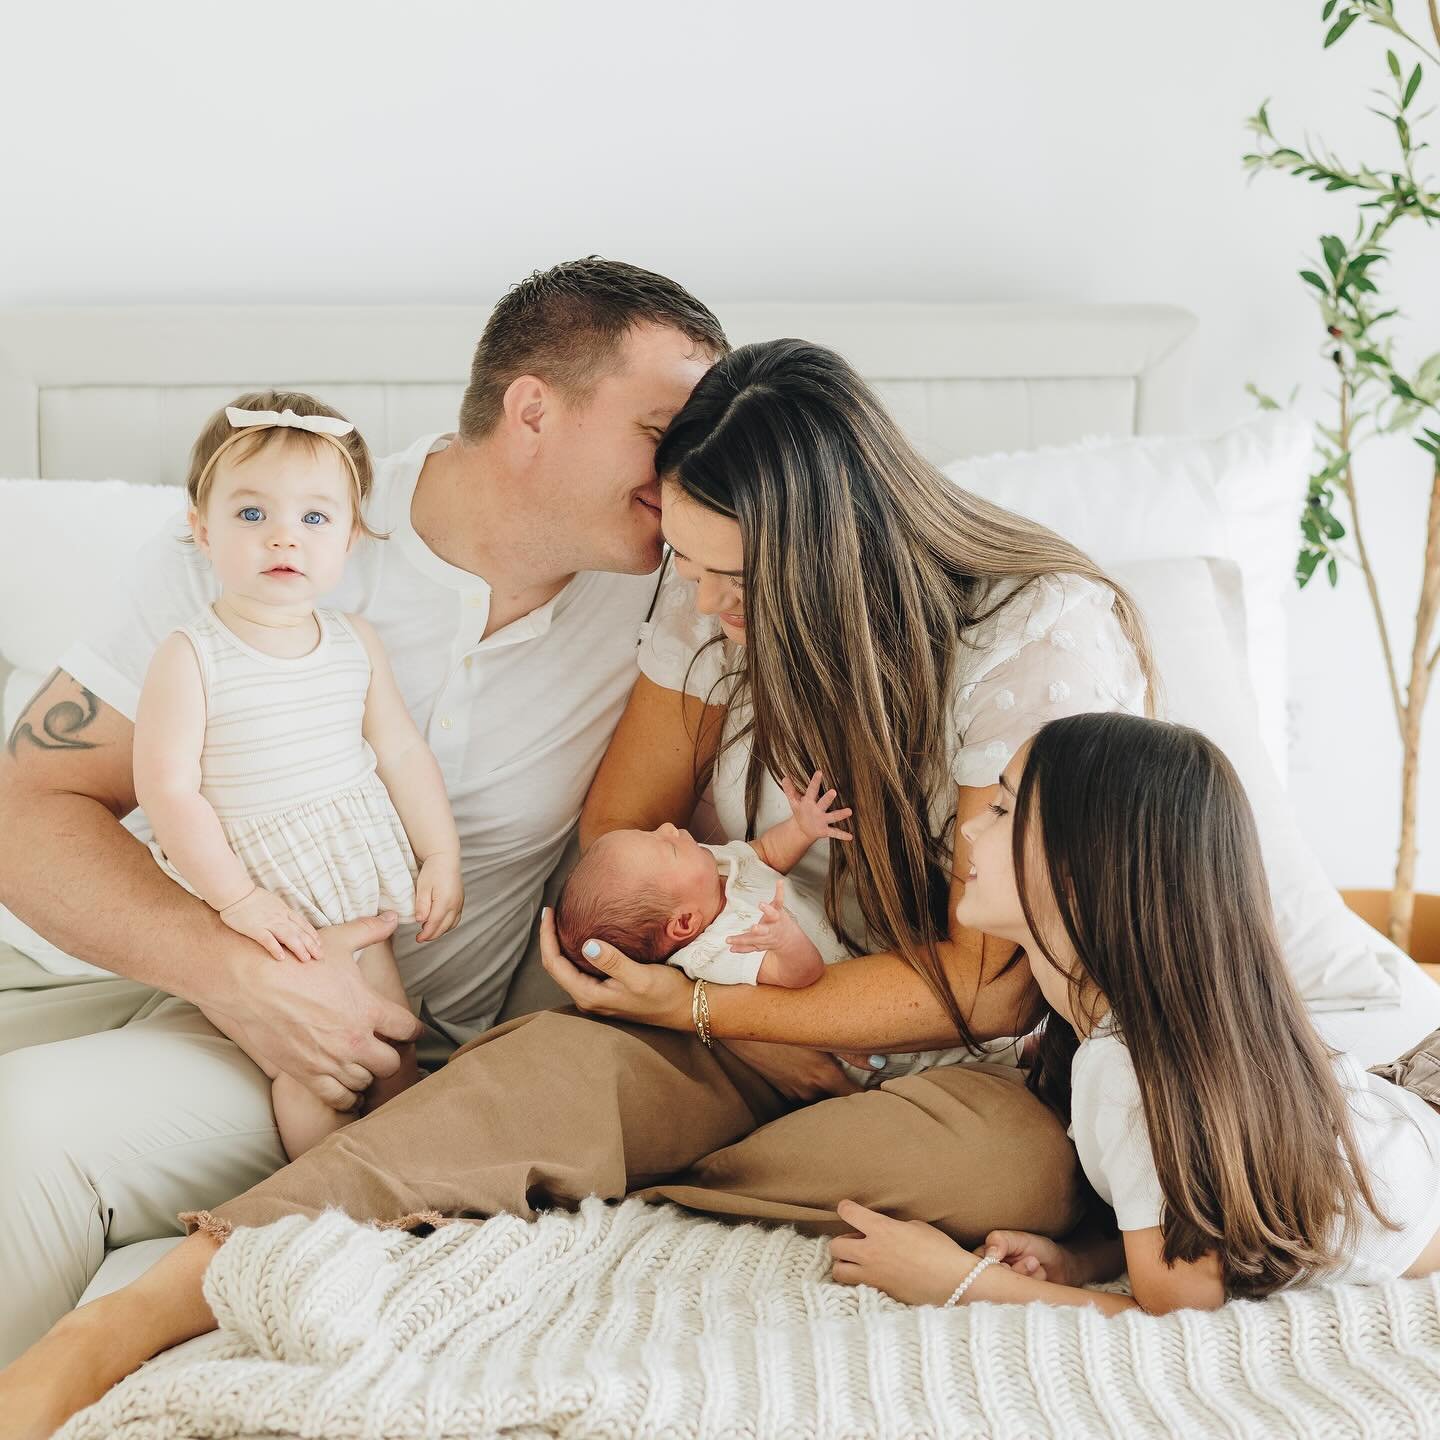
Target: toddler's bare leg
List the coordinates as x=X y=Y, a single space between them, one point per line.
x=302 y=1117
x=377 y=965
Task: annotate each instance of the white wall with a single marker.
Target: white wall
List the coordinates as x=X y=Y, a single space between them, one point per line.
x=757 y=150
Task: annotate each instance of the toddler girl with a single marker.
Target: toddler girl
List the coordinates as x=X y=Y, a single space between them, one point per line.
x=661 y=895
x=1238 y=1153
x=270 y=737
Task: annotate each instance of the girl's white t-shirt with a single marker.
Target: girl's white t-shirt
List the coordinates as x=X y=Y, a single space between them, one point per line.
x=1398 y=1135
x=1055 y=648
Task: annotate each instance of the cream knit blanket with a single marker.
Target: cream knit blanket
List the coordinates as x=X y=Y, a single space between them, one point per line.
x=633 y=1320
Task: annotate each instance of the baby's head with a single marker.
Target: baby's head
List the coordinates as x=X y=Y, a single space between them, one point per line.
x=646 y=892
x=275 y=503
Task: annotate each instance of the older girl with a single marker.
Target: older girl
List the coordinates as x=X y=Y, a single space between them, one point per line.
x=1239 y=1155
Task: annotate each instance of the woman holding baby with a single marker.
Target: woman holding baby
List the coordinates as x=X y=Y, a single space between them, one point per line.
x=836 y=606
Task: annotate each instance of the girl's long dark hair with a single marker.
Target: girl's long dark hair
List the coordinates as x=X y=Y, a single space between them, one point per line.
x=1152 y=857
x=863 y=565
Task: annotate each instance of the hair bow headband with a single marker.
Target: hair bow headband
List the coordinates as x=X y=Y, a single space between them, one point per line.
x=288 y=420
x=244 y=421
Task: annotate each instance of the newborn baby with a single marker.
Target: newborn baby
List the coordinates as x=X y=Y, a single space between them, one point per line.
x=716 y=911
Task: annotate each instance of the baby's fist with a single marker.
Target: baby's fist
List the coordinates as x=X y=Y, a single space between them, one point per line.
x=439 y=894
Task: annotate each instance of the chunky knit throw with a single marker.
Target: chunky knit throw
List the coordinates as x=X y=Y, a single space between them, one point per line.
x=634 y=1321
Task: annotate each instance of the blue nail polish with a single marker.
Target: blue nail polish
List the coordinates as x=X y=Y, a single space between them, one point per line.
x=591 y=949
x=877 y=1062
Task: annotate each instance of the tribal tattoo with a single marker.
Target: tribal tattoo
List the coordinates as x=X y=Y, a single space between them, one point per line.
x=60 y=725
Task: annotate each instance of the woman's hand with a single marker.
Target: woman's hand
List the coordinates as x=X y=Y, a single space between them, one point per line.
x=796 y=1072
x=266 y=919
x=622 y=988
x=907 y=1259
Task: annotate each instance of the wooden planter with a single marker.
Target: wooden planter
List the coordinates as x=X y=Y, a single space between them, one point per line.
x=1373 y=907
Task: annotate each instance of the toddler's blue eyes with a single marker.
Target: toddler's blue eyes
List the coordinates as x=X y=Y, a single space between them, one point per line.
x=313 y=518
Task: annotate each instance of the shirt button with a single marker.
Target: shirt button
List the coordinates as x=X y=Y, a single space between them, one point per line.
x=445 y=722
x=477 y=600
x=468 y=660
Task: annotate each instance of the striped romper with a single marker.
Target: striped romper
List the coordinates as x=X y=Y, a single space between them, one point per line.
x=292 y=779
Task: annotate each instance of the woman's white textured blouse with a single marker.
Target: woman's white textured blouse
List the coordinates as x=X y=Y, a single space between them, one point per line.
x=1055 y=648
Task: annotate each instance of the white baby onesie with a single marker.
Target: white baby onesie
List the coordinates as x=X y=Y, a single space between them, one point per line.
x=748 y=881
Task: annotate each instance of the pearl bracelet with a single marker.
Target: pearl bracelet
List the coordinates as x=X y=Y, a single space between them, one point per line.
x=969 y=1280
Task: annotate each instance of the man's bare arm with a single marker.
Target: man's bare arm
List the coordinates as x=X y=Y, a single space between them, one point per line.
x=73 y=873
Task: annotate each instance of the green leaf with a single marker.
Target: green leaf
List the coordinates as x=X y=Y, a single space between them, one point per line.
x=1402 y=130
x=1393 y=61
x=1340 y=27
x=1305 y=566
x=1311 y=278
x=1333 y=571
x=1328 y=10
x=1401 y=388
x=1412 y=87
x=1371 y=357
x=1426 y=445
x=1309 y=529
x=1334 y=249
x=1333 y=529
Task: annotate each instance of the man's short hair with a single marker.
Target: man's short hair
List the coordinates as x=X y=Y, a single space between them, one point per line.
x=565 y=326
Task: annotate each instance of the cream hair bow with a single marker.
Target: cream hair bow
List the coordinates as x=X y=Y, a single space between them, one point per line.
x=288 y=420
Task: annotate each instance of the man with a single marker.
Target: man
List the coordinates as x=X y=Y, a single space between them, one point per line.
x=517 y=569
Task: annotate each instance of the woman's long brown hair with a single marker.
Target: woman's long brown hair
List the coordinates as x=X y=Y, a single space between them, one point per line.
x=863 y=566
x=1152 y=858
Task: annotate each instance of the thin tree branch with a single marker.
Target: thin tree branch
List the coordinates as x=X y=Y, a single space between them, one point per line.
x=1370 y=584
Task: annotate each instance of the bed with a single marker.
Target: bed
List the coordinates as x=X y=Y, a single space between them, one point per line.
x=91 y=394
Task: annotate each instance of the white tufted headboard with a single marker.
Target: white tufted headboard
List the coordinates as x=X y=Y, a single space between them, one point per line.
x=121 y=392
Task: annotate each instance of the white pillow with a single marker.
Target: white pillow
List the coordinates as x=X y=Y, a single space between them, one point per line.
x=1194 y=609
x=67 y=550
x=1234 y=497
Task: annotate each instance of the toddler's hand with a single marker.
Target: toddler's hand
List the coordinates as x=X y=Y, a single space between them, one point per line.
x=439 y=894
x=812 y=811
x=776 y=929
x=269 y=921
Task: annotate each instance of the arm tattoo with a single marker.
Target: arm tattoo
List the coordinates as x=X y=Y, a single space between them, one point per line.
x=60 y=725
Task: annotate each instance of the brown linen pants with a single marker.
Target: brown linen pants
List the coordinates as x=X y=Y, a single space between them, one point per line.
x=550 y=1108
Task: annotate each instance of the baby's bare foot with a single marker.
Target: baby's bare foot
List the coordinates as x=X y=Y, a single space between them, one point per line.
x=54 y=1379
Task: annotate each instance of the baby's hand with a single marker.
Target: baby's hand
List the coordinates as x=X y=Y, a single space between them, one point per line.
x=776 y=930
x=269 y=921
x=439 y=894
x=812 y=811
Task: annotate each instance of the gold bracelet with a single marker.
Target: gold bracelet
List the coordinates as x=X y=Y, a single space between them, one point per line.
x=700 y=1013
